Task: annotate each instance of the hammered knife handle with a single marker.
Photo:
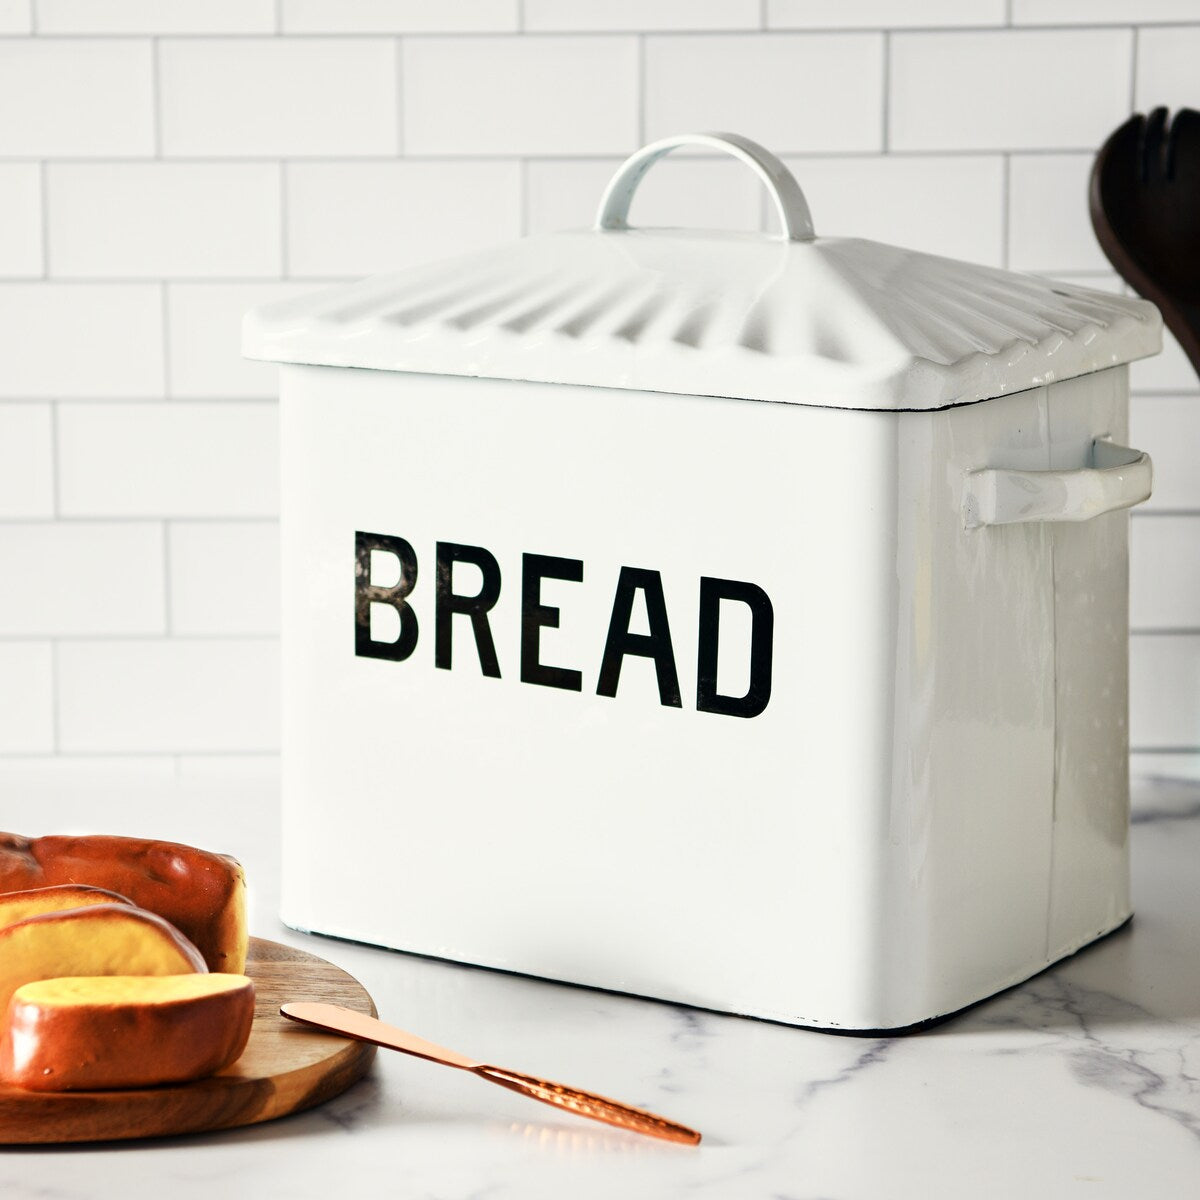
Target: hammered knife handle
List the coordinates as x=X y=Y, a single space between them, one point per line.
x=588 y=1104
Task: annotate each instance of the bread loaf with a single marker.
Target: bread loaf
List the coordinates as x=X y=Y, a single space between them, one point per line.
x=16 y=906
x=124 y=1031
x=105 y=939
x=202 y=894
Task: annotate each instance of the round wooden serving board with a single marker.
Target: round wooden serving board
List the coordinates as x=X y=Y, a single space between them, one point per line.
x=285 y=1068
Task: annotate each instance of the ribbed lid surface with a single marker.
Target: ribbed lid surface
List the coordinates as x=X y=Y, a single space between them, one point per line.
x=838 y=322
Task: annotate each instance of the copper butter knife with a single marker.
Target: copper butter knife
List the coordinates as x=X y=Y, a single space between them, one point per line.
x=335 y=1019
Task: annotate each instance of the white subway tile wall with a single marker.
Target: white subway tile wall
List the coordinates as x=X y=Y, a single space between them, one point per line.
x=75 y=98
x=27 y=697
x=1045 y=232
x=520 y=95
x=882 y=14
x=1171 y=424
x=82 y=578
x=166 y=165
x=1009 y=90
x=1164 y=691
x=176 y=695
x=183 y=458
x=160 y=220
x=353 y=218
x=156 y=16
x=951 y=205
x=280 y=97
x=1164 y=575
x=617 y=15
x=16 y=16
x=204 y=327
x=26 y=461
x=223 y=577
x=1168 y=371
x=20 y=219
x=81 y=339
x=1101 y=12
x=1166 y=67
x=400 y=16
x=799 y=92
x=720 y=194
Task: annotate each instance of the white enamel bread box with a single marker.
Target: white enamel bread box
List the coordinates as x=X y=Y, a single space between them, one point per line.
x=733 y=620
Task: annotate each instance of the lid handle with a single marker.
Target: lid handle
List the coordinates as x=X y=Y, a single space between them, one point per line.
x=794 y=217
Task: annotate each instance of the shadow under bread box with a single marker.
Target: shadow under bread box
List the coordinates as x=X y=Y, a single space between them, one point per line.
x=734 y=620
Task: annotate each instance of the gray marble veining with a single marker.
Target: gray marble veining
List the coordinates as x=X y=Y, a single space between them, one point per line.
x=1083 y=1081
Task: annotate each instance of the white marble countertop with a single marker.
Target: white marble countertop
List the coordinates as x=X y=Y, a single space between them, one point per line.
x=1083 y=1082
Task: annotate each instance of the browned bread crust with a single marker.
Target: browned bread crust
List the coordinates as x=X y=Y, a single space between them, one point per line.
x=202 y=894
x=16 y=906
x=124 y=1031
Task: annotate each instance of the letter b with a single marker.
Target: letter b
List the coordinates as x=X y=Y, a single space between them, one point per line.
x=367 y=593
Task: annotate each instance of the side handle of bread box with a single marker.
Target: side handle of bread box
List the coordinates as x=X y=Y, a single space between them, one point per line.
x=1118 y=477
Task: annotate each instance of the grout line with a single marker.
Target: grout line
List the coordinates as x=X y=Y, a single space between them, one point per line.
x=18 y=758
x=21 y=638
x=520 y=16
x=274 y=636
x=398 y=105
x=55 y=470
x=66 y=520
x=278 y=18
x=156 y=96
x=749 y=30
x=1055 y=605
x=147 y=281
x=283 y=222
x=564 y=155
x=44 y=200
x=154 y=519
x=323 y=281
x=168 y=604
x=178 y=403
x=641 y=86
x=1005 y=209
x=55 y=717
x=885 y=136
x=1133 y=70
x=523 y=168
x=762 y=14
x=1008 y=12
x=167 y=381
x=70 y=519
x=1080 y=277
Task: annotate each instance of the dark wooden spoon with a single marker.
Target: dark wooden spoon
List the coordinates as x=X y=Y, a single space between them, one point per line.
x=1145 y=204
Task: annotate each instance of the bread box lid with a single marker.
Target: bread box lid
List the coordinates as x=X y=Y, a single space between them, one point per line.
x=836 y=322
